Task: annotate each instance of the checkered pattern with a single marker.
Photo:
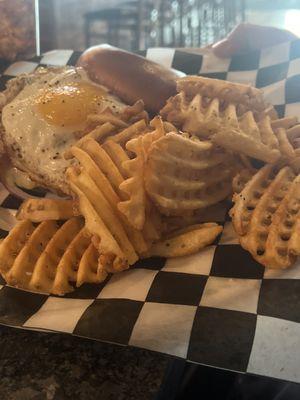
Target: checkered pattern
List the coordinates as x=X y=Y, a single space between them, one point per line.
x=218 y=307
x=276 y=70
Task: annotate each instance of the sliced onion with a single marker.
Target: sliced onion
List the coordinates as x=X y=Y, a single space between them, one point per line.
x=7 y=178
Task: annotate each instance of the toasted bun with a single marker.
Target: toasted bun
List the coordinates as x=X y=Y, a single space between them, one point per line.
x=129 y=76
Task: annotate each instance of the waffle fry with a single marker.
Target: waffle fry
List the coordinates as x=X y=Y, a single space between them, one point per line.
x=183 y=175
x=201 y=103
x=266 y=216
x=240 y=133
x=21 y=271
x=271 y=112
x=233 y=116
x=293 y=132
x=109 y=130
x=100 y=133
x=129 y=115
x=148 y=189
x=135 y=207
x=90 y=269
x=38 y=210
x=287 y=122
x=189 y=115
x=286 y=148
x=125 y=126
x=136 y=112
x=118 y=175
x=108 y=227
x=241 y=179
x=133 y=186
x=103 y=183
x=229 y=92
x=293 y=136
x=107 y=118
x=129 y=133
x=287 y=131
x=246 y=201
x=12 y=245
x=45 y=269
x=97 y=183
x=187 y=241
x=295 y=163
x=49 y=257
x=118 y=155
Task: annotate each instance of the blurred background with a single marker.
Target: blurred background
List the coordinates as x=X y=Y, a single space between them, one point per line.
x=132 y=24
x=139 y=24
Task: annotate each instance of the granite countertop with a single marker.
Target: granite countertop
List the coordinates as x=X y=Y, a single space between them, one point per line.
x=38 y=366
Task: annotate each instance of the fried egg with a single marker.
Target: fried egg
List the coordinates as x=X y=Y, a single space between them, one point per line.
x=47 y=117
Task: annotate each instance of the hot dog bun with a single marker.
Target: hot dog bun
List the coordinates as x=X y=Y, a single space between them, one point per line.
x=129 y=76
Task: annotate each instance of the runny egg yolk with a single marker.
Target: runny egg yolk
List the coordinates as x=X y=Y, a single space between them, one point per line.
x=70 y=104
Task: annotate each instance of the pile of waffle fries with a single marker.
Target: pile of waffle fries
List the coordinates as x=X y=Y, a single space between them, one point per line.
x=140 y=189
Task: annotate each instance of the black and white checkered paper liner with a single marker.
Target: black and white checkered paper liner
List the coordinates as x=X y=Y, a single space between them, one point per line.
x=218 y=307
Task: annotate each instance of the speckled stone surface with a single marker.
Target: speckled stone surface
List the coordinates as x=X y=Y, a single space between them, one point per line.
x=42 y=366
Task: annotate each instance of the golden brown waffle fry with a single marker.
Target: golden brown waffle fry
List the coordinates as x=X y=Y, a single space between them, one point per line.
x=242 y=134
x=100 y=133
x=211 y=109
x=68 y=266
x=21 y=271
x=46 y=267
x=241 y=179
x=12 y=245
x=271 y=112
x=133 y=169
x=135 y=112
x=245 y=161
x=283 y=243
x=90 y=269
x=190 y=116
x=97 y=184
x=106 y=118
x=49 y=257
x=287 y=122
x=111 y=131
x=293 y=132
x=110 y=227
x=135 y=207
x=266 y=216
x=293 y=136
x=286 y=149
x=113 y=154
x=129 y=115
x=187 y=241
x=266 y=133
x=108 y=163
x=246 y=201
x=112 y=197
x=182 y=174
x=168 y=127
x=38 y=210
x=230 y=92
x=104 y=163
x=118 y=155
x=129 y=133
x=295 y=162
